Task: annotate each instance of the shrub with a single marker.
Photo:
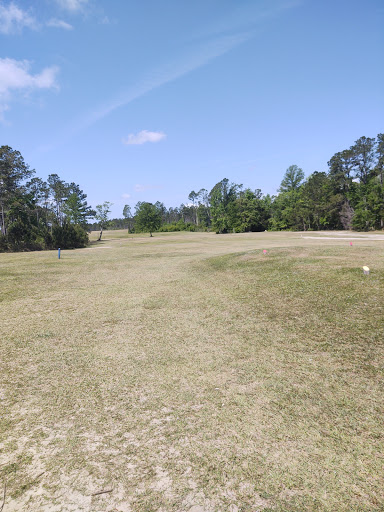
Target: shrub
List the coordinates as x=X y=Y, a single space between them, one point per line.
x=69 y=236
x=3 y=243
x=178 y=226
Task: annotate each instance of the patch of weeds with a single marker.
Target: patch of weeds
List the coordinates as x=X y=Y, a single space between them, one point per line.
x=24 y=487
x=15 y=473
x=10 y=446
x=154 y=303
x=13 y=467
x=45 y=335
x=6 y=424
x=10 y=468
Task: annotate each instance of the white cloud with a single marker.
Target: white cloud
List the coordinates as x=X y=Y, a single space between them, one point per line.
x=143 y=137
x=15 y=76
x=125 y=196
x=59 y=24
x=13 y=19
x=72 y=5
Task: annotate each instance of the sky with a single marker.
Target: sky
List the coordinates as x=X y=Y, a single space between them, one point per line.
x=142 y=100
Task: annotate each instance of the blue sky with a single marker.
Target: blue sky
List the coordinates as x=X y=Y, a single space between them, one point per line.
x=142 y=100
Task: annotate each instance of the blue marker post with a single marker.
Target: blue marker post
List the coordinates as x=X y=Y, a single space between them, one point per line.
x=58 y=253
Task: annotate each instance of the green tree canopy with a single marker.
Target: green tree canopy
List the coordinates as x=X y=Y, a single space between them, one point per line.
x=13 y=172
x=292 y=180
x=102 y=215
x=147 y=217
x=222 y=200
x=76 y=209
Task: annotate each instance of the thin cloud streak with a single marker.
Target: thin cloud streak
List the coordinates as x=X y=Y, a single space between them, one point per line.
x=55 y=23
x=197 y=57
x=202 y=55
x=249 y=17
x=171 y=72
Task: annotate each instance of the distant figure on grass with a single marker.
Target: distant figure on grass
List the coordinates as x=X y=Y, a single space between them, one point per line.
x=147 y=217
x=102 y=212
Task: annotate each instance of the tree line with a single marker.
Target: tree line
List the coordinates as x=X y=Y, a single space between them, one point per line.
x=37 y=214
x=349 y=196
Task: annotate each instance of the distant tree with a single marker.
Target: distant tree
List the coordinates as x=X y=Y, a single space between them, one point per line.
x=127 y=214
x=363 y=156
x=203 y=217
x=147 y=217
x=320 y=206
x=188 y=213
x=102 y=213
x=162 y=210
x=39 y=191
x=252 y=211
x=59 y=193
x=223 y=205
x=75 y=208
x=288 y=210
x=380 y=157
x=193 y=197
x=13 y=172
x=379 y=171
x=174 y=214
x=340 y=171
x=33 y=213
x=346 y=215
x=362 y=195
x=23 y=227
x=292 y=179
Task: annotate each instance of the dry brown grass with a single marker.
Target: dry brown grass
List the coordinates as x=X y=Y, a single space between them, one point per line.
x=190 y=372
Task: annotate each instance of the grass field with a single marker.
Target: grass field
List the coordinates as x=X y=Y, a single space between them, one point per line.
x=192 y=372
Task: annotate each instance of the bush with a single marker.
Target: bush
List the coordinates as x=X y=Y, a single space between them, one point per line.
x=3 y=243
x=22 y=236
x=178 y=226
x=19 y=238
x=68 y=236
x=362 y=220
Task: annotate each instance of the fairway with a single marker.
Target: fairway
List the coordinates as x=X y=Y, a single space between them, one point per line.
x=193 y=372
